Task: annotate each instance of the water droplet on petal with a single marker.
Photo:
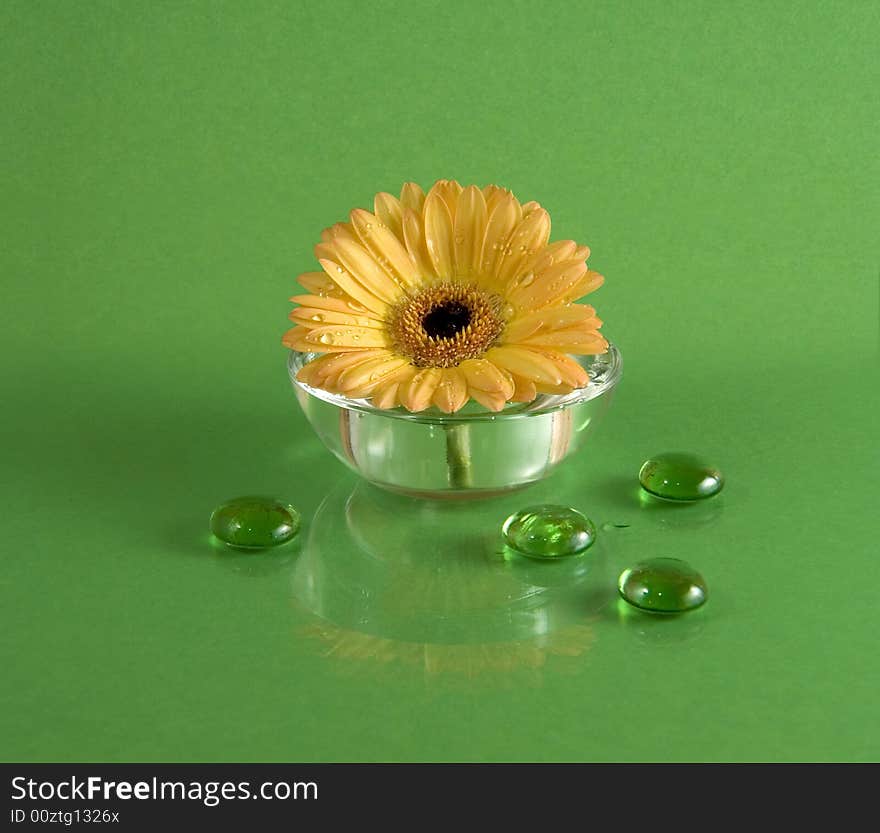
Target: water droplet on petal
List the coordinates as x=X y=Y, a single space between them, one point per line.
x=663 y=585
x=527 y=280
x=325 y=338
x=356 y=307
x=317 y=317
x=549 y=531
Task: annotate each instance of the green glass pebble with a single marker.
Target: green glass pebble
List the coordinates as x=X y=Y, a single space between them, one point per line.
x=663 y=585
x=680 y=476
x=255 y=522
x=548 y=531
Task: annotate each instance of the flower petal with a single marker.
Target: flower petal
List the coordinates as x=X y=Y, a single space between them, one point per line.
x=318 y=283
x=469 y=231
x=395 y=376
x=524 y=391
x=334 y=379
x=354 y=289
x=306 y=374
x=385 y=396
x=483 y=374
x=388 y=252
x=572 y=373
x=321 y=301
x=449 y=191
x=588 y=283
x=362 y=378
x=509 y=384
x=521 y=361
x=549 y=319
x=503 y=219
x=412 y=197
x=312 y=317
x=526 y=240
x=452 y=391
x=390 y=212
x=339 y=231
x=323 y=371
x=324 y=250
x=492 y=401
x=493 y=194
x=554 y=390
x=360 y=263
x=414 y=235
x=416 y=394
x=358 y=338
x=553 y=253
x=548 y=287
x=295 y=339
x=572 y=340
x=438 y=235
x=343 y=304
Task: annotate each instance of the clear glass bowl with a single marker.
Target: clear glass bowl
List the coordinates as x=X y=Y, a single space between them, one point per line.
x=473 y=453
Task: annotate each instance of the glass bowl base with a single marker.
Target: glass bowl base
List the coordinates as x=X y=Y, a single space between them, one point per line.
x=468 y=455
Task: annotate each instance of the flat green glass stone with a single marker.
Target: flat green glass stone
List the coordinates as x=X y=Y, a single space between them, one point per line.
x=680 y=476
x=255 y=522
x=549 y=531
x=663 y=585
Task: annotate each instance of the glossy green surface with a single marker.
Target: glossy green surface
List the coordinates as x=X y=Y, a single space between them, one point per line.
x=680 y=476
x=166 y=172
x=663 y=585
x=549 y=531
x=255 y=522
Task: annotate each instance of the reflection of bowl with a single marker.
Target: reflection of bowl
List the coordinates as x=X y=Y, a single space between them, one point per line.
x=435 y=577
x=473 y=453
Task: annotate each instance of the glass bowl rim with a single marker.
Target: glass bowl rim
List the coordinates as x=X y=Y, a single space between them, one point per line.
x=547 y=404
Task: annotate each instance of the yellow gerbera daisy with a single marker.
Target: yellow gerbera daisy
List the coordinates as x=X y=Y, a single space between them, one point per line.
x=438 y=299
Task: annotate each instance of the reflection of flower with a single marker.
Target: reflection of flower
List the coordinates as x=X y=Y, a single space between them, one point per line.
x=438 y=299
x=468 y=660
x=437 y=592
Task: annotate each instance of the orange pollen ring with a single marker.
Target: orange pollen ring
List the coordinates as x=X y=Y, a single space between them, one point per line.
x=446 y=323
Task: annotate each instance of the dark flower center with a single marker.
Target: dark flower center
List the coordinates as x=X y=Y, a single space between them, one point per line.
x=445 y=323
x=446 y=319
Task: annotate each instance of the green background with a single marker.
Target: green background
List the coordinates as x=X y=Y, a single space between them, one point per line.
x=166 y=169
